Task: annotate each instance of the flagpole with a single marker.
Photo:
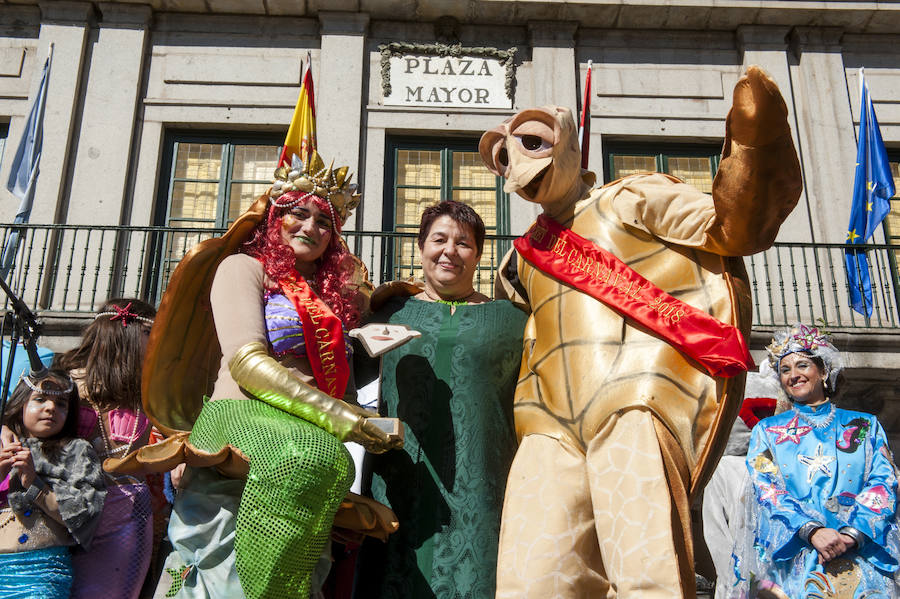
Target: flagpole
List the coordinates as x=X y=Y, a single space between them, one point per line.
x=584 y=129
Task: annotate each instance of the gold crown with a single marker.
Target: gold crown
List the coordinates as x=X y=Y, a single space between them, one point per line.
x=313 y=178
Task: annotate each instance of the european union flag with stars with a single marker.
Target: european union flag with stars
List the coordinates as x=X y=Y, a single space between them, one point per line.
x=872 y=190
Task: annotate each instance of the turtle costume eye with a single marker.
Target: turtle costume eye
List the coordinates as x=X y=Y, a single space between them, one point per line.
x=537 y=152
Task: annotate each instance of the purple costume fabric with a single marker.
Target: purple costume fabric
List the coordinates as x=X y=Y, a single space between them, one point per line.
x=119 y=557
x=284 y=329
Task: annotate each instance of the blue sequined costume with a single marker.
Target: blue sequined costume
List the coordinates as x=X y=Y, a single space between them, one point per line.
x=831 y=467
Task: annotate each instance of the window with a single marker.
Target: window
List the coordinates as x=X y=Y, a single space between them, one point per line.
x=696 y=165
x=424 y=173
x=211 y=181
x=892 y=221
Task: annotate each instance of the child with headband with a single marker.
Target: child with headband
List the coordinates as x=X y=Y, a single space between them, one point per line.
x=52 y=492
x=106 y=368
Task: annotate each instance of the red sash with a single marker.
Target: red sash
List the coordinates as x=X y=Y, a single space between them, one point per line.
x=323 y=335
x=574 y=260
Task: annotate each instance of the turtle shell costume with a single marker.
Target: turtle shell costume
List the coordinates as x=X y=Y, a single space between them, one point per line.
x=268 y=426
x=624 y=403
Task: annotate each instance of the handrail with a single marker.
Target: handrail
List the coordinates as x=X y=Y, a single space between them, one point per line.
x=63 y=268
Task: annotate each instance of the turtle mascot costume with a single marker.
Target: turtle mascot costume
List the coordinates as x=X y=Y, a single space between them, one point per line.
x=634 y=350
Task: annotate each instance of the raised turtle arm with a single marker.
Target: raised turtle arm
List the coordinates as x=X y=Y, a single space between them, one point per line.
x=757 y=185
x=758 y=182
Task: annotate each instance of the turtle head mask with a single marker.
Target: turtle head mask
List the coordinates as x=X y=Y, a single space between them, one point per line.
x=537 y=152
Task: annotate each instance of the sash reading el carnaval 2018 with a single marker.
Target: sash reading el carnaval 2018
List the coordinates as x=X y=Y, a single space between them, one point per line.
x=325 y=348
x=576 y=261
x=447 y=81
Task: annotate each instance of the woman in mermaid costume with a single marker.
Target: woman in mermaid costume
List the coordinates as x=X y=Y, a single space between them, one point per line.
x=275 y=414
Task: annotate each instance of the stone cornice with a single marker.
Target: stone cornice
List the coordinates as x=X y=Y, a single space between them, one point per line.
x=762 y=37
x=343 y=23
x=64 y=12
x=685 y=15
x=552 y=33
x=116 y=14
x=816 y=38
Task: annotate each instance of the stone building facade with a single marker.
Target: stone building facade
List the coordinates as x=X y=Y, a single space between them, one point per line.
x=167 y=113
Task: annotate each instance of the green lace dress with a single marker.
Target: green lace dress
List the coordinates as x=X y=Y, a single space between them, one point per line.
x=453 y=389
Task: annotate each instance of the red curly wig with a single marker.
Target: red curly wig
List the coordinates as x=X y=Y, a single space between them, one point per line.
x=333 y=269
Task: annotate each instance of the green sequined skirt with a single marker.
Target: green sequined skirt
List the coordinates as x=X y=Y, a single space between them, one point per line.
x=298 y=476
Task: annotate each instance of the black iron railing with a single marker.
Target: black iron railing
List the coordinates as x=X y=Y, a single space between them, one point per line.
x=74 y=268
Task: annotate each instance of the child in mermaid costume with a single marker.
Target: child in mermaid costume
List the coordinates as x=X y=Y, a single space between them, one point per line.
x=51 y=488
x=275 y=347
x=106 y=369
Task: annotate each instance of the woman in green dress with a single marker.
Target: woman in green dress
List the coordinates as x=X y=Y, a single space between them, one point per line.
x=453 y=389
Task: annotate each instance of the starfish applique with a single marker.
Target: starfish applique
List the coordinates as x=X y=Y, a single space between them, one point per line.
x=771 y=493
x=792 y=431
x=123 y=313
x=816 y=463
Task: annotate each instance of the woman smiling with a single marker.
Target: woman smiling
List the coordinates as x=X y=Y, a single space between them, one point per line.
x=282 y=400
x=453 y=389
x=821 y=516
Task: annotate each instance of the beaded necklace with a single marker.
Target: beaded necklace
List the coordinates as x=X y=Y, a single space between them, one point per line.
x=462 y=301
x=817 y=421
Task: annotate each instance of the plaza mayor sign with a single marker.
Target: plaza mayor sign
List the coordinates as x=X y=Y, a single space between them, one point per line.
x=444 y=76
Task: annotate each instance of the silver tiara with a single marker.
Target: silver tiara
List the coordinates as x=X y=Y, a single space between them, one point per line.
x=34 y=387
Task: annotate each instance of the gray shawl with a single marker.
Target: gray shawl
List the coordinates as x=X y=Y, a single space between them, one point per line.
x=75 y=477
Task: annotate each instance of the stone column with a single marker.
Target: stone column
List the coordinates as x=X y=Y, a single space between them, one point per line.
x=553 y=68
x=825 y=130
x=767 y=47
x=339 y=89
x=66 y=25
x=554 y=74
x=103 y=152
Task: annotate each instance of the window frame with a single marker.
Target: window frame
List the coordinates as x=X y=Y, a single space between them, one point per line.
x=446 y=147
x=893 y=237
x=228 y=141
x=162 y=214
x=661 y=152
x=893 y=156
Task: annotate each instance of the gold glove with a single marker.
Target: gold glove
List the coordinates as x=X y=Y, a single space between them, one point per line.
x=259 y=373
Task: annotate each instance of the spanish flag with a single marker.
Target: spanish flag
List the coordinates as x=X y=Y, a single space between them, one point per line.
x=301 y=135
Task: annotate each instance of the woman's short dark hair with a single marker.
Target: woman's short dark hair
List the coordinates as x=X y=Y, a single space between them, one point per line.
x=461 y=213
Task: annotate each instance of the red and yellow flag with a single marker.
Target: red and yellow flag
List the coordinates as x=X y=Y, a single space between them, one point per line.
x=301 y=135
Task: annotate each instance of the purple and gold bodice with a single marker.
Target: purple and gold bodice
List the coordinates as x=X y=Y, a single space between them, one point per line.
x=284 y=329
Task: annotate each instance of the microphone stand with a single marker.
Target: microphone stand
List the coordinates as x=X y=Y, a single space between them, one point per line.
x=24 y=324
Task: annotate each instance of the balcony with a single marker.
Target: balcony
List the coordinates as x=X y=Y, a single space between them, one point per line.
x=67 y=271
